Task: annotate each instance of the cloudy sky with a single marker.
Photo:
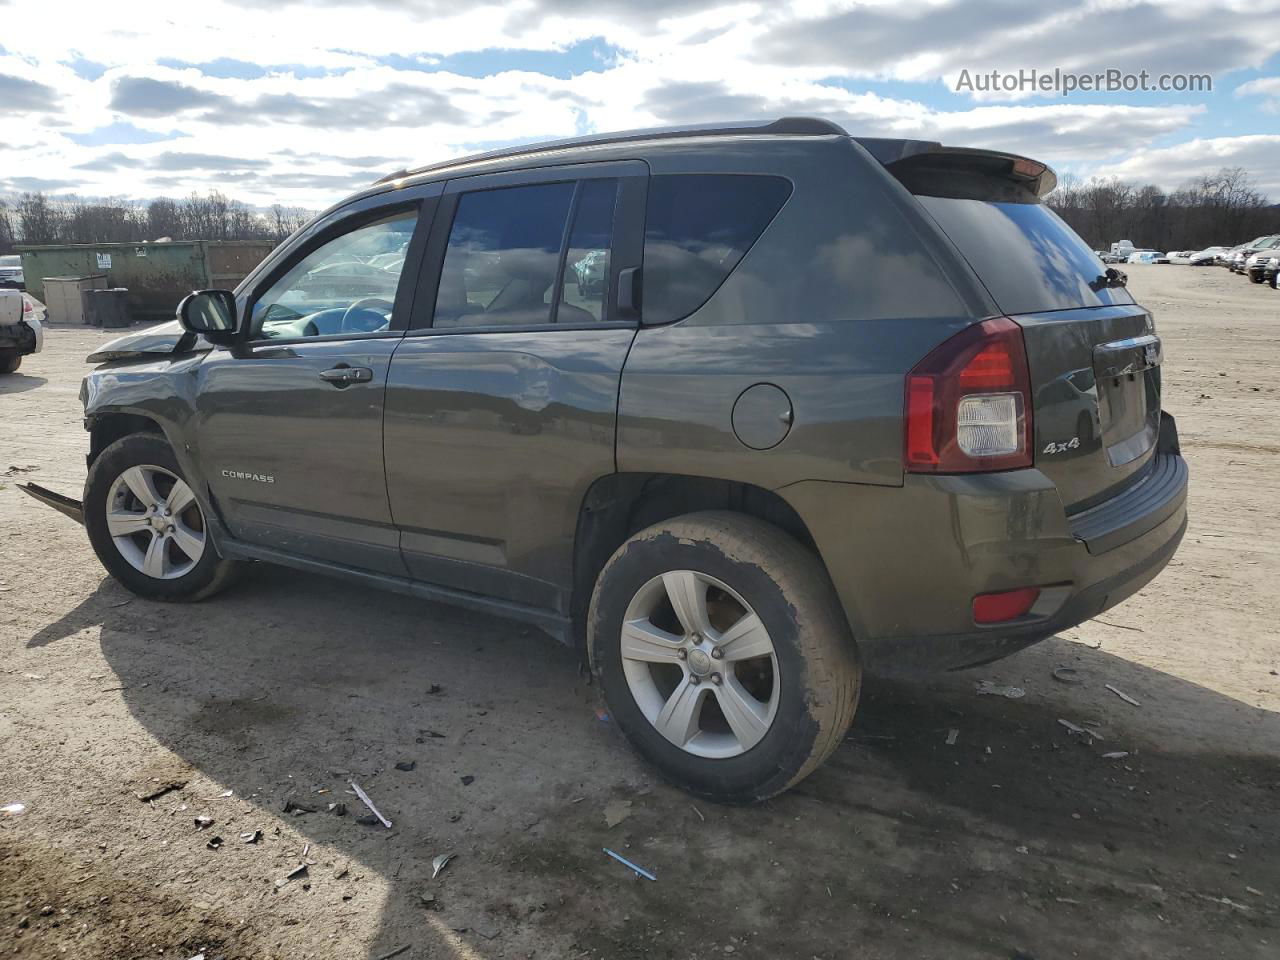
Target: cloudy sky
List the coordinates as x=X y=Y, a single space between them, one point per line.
x=271 y=100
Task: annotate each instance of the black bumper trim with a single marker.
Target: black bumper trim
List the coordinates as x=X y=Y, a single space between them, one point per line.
x=64 y=505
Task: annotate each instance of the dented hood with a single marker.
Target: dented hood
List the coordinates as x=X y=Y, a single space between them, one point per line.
x=164 y=338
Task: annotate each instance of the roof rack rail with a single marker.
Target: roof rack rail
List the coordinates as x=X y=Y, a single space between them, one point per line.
x=786 y=126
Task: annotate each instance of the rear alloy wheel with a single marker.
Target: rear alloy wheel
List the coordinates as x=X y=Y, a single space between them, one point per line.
x=723 y=654
x=146 y=523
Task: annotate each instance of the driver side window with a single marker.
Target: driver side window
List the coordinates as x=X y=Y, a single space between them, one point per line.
x=347 y=285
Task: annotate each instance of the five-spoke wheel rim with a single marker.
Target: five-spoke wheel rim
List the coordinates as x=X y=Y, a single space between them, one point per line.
x=700 y=664
x=155 y=522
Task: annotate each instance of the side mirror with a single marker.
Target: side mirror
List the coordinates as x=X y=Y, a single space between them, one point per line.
x=210 y=313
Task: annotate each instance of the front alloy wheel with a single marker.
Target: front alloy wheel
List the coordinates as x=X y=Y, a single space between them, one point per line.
x=146 y=523
x=155 y=522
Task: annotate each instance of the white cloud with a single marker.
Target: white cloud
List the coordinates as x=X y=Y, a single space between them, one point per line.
x=329 y=103
x=1173 y=166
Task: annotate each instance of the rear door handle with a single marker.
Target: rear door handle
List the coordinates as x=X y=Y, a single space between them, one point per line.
x=342 y=375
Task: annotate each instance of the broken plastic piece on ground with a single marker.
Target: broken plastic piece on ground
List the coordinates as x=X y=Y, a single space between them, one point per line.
x=203 y=822
x=160 y=791
x=639 y=871
x=1067 y=675
x=406 y=766
x=439 y=863
x=13 y=810
x=252 y=836
x=1122 y=695
x=293 y=874
x=1115 y=755
x=952 y=734
x=338 y=809
x=364 y=798
x=215 y=843
x=990 y=688
x=602 y=715
x=468 y=780
x=615 y=812
x=297 y=809
x=1076 y=728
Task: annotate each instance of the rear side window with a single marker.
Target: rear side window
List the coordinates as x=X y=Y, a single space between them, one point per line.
x=1025 y=255
x=697 y=228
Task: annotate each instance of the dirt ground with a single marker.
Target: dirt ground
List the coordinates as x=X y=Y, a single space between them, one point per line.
x=1019 y=840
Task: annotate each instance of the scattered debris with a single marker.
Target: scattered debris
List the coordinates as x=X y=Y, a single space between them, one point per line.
x=432 y=734
x=484 y=930
x=428 y=900
x=435 y=688
x=439 y=863
x=297 y=809
x=615 y=812
x=368 y=820
x=639 y=871
x=338 y=809
x=1076 y=728
x=1226 y=902
x=699 y=813
x=1115 y=755
x=1118 y=626
x=602 y=715
x=1122 y=695
x=1254 y=891
x=13 y=810
x=202 y=822
x=394 y=953
x=252 y=836
x=990 y=688
x=406 y=766
x=215 y=843
x=294 y=874
x=952 y=734
x=1067 y=675
x=33 y=676
x=364 y=798
x=468 y=780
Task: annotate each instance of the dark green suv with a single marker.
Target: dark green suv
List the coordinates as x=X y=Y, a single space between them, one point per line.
x=740 y=410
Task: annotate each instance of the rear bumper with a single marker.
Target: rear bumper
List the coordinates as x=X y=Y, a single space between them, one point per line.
x=908 y=561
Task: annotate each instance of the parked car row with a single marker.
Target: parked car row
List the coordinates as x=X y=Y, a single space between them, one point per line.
x=1259 y=259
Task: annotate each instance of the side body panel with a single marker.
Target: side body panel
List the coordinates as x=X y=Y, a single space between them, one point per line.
x=846 y=289
x=492 y=440
x=294 y=462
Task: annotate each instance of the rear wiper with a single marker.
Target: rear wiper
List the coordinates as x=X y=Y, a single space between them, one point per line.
x=1112 y=278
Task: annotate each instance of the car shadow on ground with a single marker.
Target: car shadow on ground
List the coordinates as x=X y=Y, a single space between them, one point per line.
x=19 y=383
x=1015 y=836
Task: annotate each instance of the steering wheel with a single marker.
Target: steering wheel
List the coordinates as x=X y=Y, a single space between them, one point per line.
x=364 y=303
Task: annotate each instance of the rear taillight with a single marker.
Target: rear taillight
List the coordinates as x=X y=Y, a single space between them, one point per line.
x=969 y=403
x=1004 y=606
x=26 y=306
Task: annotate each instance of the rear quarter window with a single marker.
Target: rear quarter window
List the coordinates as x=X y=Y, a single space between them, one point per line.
x=697 y=229
x=1025 y=255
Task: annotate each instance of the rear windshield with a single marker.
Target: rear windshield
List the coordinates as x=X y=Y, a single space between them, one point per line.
x=1027 y=257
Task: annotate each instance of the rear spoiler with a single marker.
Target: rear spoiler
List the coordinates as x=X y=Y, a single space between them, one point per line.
x=926 y=167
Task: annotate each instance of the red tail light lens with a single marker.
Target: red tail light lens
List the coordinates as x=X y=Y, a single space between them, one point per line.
x=968 y=403
x=1005 y=606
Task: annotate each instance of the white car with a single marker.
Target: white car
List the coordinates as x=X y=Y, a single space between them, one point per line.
x=21 y=328
x=1206 y=257
x=11 y=272
x=1144 y=256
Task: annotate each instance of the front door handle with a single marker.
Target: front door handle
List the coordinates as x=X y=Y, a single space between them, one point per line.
x=341 y=375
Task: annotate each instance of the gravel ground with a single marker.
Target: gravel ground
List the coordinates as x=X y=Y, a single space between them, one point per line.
x=1018 y=840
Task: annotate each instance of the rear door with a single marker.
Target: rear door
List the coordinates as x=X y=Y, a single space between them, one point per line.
x=502 y=398
x=1093 y=353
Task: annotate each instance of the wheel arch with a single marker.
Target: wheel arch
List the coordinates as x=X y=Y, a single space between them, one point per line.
x=620 y=505
x=107 y=427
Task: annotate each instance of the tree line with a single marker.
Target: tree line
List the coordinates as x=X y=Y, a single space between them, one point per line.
x=38 y=218
x=1220 y=209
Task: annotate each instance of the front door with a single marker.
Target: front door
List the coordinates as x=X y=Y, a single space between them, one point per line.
x=290 y=421
x=501 y=404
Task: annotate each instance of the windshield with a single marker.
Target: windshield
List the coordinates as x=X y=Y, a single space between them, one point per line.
x=1027 y=257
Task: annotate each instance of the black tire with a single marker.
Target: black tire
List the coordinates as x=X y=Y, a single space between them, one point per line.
x=10 y=360
x=1255 y=277
x=818 y=674
x=208 y=576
